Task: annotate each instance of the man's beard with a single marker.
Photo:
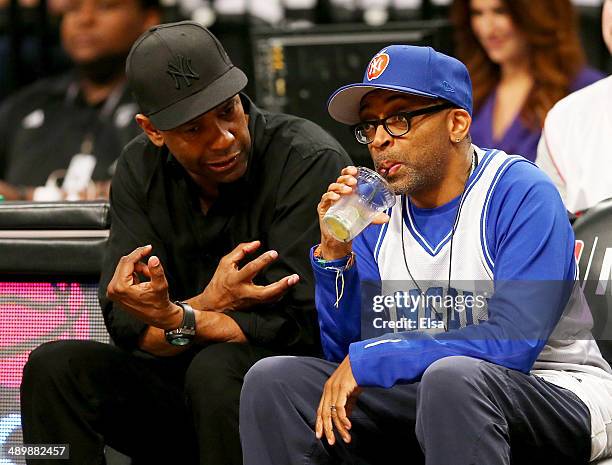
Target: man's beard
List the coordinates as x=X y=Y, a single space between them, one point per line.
x=413 y=178
x=103 y=69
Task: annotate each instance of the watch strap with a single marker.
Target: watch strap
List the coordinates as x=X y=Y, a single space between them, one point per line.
x=189 y=319
x=185 y=333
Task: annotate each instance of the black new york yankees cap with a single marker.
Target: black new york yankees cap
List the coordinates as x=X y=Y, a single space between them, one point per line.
x=178 y=71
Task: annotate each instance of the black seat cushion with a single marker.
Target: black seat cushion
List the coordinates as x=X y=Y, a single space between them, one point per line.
x=594 y=246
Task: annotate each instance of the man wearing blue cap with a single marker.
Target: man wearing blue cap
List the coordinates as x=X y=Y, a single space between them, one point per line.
x=453 y=327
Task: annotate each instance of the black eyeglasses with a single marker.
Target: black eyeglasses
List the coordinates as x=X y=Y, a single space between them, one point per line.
x=396 y=125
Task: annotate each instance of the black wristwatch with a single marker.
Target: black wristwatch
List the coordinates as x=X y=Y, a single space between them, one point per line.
x=184 y=334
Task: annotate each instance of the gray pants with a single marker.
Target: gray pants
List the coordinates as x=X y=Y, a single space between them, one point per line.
x=464 y=411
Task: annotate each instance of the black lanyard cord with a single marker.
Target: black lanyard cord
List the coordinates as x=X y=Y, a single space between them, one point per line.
x=455 y=224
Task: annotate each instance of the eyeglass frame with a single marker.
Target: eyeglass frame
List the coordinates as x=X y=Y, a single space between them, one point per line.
x=406 y=114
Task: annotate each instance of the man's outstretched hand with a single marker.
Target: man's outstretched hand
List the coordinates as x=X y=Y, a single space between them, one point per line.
x=232 y=287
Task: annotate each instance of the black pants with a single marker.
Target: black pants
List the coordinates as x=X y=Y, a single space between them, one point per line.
x=464 y=411
x=157 y=411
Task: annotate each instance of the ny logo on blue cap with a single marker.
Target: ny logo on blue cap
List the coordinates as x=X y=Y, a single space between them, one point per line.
x=378 y=65
x=182 y=69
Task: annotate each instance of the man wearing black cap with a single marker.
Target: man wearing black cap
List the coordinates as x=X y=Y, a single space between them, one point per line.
x=460 y=334
x=211 y=182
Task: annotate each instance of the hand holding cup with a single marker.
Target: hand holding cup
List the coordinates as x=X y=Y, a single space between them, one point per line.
x=357 y=198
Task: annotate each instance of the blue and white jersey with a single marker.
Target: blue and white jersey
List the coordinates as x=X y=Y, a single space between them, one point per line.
x=430 y=261
x=513 y=244
x=402 y=250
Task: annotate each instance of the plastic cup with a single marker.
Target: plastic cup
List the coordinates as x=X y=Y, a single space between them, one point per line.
x=350 y=215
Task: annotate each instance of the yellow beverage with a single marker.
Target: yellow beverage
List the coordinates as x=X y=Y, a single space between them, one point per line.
x=344 y=224
x=337 y=228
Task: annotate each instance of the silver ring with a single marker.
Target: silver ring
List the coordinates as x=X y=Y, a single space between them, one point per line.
x=333 y=408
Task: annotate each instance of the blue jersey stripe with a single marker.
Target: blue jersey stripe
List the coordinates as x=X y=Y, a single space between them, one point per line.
x=381 y=237
x=408 y=216
x=485 y=211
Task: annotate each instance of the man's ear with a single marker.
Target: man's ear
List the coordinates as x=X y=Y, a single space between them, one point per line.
x=459 y=122
x=151 y=131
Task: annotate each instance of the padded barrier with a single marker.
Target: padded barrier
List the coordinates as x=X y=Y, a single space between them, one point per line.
x=53 y=238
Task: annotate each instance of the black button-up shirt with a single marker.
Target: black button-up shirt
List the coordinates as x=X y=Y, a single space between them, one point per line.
x=154 y=201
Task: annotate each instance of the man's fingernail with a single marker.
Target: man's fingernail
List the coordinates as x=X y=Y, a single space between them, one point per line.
x=273 y=253
x=154 y=261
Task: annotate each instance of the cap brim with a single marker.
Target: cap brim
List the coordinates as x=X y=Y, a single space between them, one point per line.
x=223 y=88
x=343 y=105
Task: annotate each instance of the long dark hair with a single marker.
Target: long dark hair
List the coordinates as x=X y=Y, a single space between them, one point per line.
x=555 y=53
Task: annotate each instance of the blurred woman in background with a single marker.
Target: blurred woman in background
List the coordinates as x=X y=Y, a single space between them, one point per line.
x=523 y=56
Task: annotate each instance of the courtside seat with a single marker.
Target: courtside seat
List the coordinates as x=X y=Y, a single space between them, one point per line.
x=593 y=233
x=594 y=253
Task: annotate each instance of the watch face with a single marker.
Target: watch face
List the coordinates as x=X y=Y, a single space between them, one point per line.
x=180 y=341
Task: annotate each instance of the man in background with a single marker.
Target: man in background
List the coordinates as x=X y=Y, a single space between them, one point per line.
x=574 y=149
x=87 y=112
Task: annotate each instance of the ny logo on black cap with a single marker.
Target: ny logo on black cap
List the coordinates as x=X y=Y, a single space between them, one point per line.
x=182 y=69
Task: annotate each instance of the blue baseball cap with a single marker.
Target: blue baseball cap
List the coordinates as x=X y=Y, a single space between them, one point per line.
x=409 y=69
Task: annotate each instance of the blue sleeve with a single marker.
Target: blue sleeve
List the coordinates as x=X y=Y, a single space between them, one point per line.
x=531 y=244
x=338 y=294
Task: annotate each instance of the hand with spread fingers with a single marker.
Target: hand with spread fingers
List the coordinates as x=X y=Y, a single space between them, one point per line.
x=148 y=301
x=339 y=396
x=232 y=287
